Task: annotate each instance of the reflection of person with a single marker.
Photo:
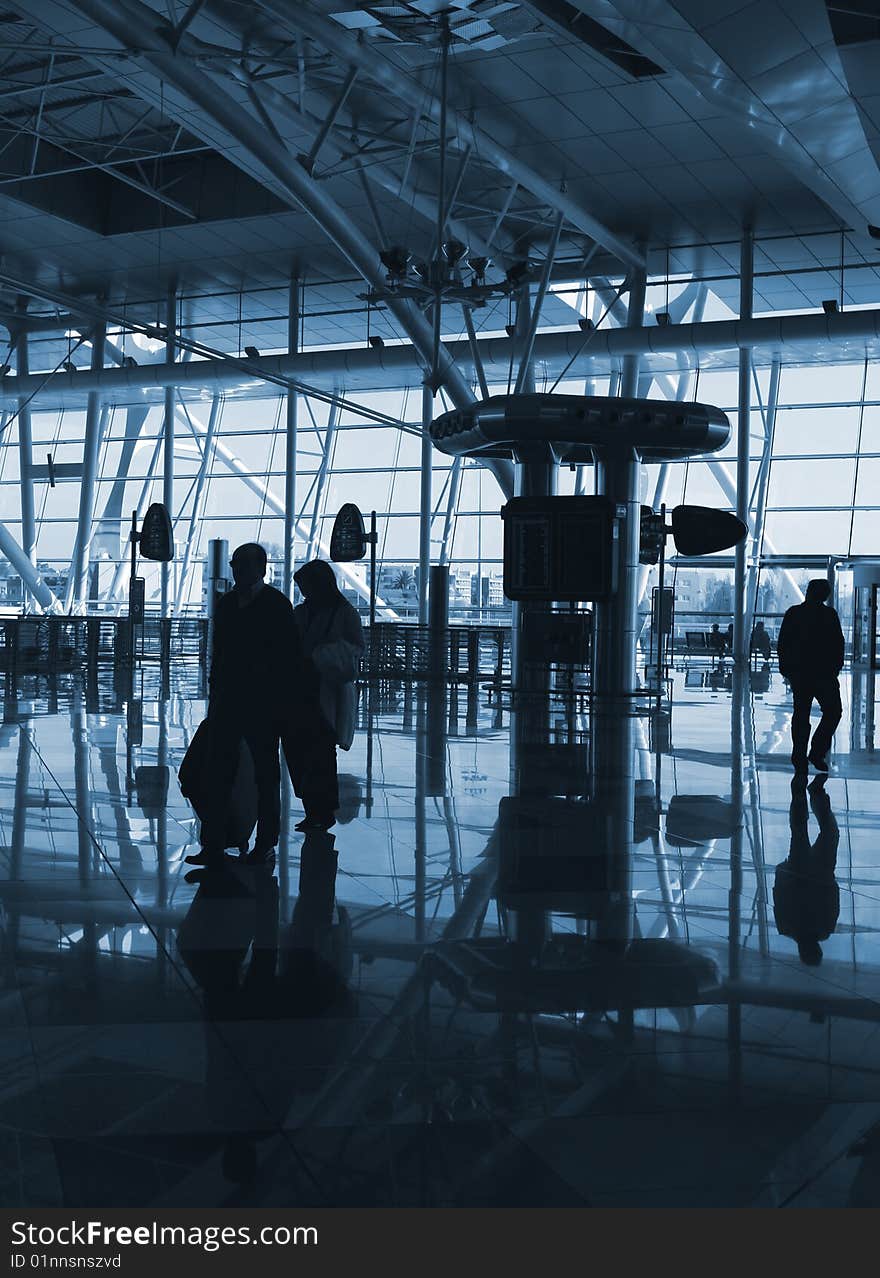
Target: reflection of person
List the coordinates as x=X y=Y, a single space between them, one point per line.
x=806 y=898
x=281 y=998
x=254 y=656
x=760 y=641
x=810 y=651
x=329 y=632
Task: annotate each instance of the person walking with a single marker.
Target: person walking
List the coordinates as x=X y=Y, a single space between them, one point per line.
x=331 y=638
x=810 y=650
x=255 y=655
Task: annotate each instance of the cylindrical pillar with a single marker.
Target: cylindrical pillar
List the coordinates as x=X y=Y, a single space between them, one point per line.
x=530 y=680
x=614 y=649
x=425 y=499
x=79 y=567
x=168 y=441
x=25 y=456
x=291 y=441
x=744 y=401
x=438 y=623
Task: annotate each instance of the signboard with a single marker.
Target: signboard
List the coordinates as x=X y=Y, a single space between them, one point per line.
x=157 y=539
x=700 y=530
x=562 y=638
x=559 y=548
x=137 y=596
x=348 y=541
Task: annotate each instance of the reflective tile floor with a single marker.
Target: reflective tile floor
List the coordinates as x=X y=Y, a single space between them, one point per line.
x=508 y=981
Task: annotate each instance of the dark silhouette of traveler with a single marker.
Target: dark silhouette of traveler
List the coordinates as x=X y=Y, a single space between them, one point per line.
x=806 y=898
x=329 y=632
x=810 y=652
x=255 y=658
x=729 y=639
x=715 y=640
x=760 y=641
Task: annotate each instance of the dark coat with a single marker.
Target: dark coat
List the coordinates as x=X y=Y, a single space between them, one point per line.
x=810 y=643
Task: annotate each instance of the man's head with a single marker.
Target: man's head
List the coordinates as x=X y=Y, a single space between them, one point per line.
x=317 y=582
x=818 y=590
x=248 y=564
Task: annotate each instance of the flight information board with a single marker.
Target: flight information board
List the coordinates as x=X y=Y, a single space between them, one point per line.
x=559 y=548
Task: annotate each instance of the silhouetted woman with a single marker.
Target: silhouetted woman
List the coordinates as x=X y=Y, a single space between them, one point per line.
x=332 y=643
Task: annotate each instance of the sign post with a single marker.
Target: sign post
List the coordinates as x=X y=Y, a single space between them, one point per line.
x=349 y=541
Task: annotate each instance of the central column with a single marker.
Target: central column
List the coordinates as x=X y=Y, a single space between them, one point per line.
x=743 y=442
x=168 y=450
x=530 y=706
x=291 y=442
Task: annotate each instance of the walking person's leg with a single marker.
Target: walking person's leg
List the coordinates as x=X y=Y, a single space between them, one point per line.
x=262 y=741
x=802 y=701
x=827 y=693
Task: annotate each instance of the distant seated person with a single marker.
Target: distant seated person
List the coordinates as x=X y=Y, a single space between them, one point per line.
x=715 y=639
x=760 y=641
x=729 y=640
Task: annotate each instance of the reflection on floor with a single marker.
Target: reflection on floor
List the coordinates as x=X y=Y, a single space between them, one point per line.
x=497 y=982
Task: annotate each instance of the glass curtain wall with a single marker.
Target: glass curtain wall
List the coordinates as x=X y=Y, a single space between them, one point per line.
x=821 y=482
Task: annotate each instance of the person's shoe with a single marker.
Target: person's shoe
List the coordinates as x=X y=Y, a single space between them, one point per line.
x=309 y=823
x=819 y=761
x=799 y=762
x=261 y=856
x=207 y=858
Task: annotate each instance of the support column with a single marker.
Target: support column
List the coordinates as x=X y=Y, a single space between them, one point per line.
x=617 y=477
x=31 y=579
x=746 y=277
x=291 y=441
x=25 y=456
x=425 y=508
x=321 y=479
x=198 y=501
x=761 y=501
x=79 y=564
x=168 y=450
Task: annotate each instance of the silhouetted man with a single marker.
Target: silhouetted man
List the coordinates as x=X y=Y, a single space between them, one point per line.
x=254 y=659
x=810 y=651
x=806 y=898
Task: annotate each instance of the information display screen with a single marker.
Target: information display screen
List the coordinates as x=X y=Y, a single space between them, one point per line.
x=348 y=541
x=559 y=548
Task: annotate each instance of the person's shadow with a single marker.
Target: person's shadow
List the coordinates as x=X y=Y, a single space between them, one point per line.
x=806 y=898
x=276 y=999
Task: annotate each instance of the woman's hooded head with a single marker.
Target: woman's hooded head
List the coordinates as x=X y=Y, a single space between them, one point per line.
x=317 y=582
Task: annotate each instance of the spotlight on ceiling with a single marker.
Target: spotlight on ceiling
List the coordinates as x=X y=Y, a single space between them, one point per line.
x=422 y=271
x=252 y=352
x=69 y=366
x=455 y=253
x=829 y=306
x=376 y=342
x=510 y=329
x=396 y=261
x=129 y=361
x=663 y=318
x=586 y=325
x=479 y=266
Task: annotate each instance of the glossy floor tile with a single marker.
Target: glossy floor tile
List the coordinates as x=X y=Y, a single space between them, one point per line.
x=540 y=960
